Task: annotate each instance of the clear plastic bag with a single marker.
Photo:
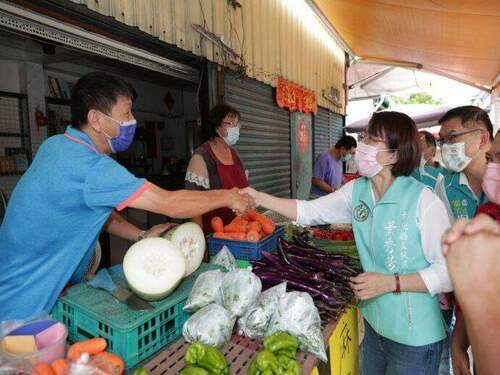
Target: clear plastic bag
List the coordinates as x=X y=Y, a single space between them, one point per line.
x=297 y=316
x=14 y=366
x=7 y=326
x=225 y=259
x=212 y=326
x=206 y=290
x=255 y=321
x=239 y=290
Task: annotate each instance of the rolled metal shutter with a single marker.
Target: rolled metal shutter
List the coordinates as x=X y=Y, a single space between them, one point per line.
x=264 y=145
x=328 y=129
x=322 y=136
x=336 y=127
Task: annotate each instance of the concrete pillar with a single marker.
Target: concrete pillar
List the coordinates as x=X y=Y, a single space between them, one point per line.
x=33 y=84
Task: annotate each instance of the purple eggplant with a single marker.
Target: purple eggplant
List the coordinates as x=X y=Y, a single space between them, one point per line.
x=271 y=259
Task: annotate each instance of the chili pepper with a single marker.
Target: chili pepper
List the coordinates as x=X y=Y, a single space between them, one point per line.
x=281 y=341
x=206 y=357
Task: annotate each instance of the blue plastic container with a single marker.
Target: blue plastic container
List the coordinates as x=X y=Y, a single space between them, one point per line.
x=246 y=250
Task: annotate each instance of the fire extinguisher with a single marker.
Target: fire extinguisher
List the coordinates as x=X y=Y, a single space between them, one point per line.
x=40 y=118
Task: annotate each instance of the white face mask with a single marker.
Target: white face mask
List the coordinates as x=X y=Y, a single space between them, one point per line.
x=233 y=134
x=454 y=157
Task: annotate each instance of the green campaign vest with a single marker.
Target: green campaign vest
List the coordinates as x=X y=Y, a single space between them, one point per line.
x=462 y=200
x=388 y=242
x=427 y=175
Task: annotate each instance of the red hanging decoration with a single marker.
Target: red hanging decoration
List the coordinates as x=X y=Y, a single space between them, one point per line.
x=295 y=98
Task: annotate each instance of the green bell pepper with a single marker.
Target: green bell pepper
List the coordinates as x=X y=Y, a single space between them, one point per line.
x=253 y=369
x=293 y=369
x=290 y=366
x=284 y=360
x=206 y=357
x=281 y=341
x=289 y=353
x=268 y=361
x=141 y=371
x=278 y=357
x=193 y=370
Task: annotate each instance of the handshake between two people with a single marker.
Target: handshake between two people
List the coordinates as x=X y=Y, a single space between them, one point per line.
x=244 y=200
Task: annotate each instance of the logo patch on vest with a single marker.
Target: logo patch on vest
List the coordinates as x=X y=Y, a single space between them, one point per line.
x=361 y=212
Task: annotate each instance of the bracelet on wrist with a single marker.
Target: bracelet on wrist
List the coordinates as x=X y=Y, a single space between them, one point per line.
x=398 y=284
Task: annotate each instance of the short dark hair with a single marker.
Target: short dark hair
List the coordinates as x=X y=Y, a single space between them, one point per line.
x=99 y=91
x=470 y=116
x=217 y=115
x=430 y=140
x=347 y=142
x=401 y=134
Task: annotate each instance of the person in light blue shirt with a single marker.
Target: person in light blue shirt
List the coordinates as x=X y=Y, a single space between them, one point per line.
x=398 y=224
x=72 y=190
x=328 y=170
x=429 y=170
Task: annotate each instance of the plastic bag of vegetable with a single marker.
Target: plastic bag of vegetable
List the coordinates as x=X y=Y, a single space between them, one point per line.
x=11 y=365
x=225 y=259
x=254 y=322
x=297 y=315
x=212 y=326
x=205 y=290
x=239 y=290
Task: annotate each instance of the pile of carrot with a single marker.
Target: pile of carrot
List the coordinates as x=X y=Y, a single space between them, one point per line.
x=250 y=227
x=108 y=362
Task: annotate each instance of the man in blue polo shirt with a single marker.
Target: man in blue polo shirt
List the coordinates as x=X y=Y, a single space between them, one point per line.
x=72 y=190
x=328 y=170
x=465 y=138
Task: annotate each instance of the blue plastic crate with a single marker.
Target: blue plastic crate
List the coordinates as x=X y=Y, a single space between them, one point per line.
x=134 y=335
x=246 y=250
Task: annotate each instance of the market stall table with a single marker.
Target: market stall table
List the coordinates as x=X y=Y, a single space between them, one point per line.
x=239 y=353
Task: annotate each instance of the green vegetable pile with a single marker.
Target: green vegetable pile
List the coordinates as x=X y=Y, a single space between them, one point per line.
x=204 y=360
x=277 y=357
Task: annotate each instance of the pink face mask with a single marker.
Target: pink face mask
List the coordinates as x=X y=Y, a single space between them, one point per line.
x=491 y=182
x=366 y=160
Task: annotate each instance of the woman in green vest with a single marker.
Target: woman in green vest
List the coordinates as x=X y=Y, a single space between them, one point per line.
x=398 y=223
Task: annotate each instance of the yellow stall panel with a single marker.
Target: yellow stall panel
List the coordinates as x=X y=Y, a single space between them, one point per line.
x=344 y=345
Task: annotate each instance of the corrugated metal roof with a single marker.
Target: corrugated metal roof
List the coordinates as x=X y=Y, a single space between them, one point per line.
x=279 y=37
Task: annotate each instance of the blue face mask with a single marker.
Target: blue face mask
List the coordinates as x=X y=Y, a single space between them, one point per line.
x=123 y=141
x=347 y=157
x=233 y=134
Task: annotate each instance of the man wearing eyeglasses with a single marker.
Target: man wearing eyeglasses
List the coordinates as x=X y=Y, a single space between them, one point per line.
x=466 y=135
